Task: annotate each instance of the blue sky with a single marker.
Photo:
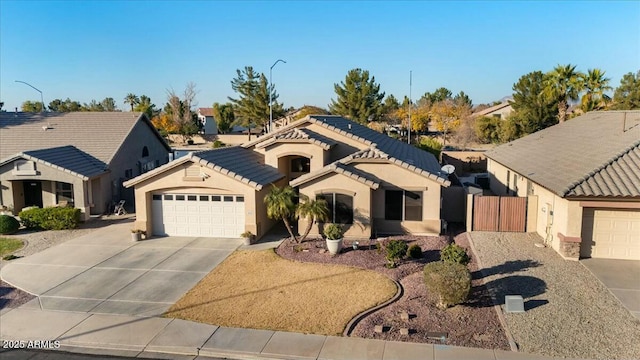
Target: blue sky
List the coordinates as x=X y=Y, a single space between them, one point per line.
x=92 y=50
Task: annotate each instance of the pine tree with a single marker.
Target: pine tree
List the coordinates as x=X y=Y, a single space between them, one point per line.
x=252 y=104
x=533 y=110
x=627 y=95
x=359 y=98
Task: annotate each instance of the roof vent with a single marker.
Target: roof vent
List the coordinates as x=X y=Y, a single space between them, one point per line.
x=349 y=126
x=46 y=127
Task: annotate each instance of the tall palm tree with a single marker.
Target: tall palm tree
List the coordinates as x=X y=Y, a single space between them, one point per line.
x=312 y=210
x=563 y=84
x=131 y=99
x=595 y=84
x=280 y=205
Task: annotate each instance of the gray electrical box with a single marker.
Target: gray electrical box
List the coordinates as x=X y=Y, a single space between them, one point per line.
x=514 y=304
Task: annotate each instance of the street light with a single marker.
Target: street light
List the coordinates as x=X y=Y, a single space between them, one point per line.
x=270 y=94
x=34 y=88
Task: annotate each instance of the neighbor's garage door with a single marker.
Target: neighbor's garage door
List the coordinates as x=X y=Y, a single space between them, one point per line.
x=612 y=234
x=198 y=215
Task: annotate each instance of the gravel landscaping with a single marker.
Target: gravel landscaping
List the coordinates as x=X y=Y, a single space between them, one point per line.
x=474 y=324
x=569 y=313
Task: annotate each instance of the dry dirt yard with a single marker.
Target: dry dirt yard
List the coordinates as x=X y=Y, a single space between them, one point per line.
x=474 y=324
x=261 y=290
x=569 y=313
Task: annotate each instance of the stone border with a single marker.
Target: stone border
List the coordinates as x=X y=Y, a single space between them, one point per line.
x=351 y=325
x=512 y=342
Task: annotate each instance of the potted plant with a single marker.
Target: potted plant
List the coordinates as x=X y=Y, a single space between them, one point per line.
x=136 y=234
x=248 y=237
x=333 y=234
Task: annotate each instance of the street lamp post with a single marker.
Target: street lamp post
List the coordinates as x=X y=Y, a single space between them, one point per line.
x=271 y=94
x=34 y=88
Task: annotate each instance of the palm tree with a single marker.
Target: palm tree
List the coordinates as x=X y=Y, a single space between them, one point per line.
x=563 y=84
x=280 y=205
x=312 y=210
x=595 y=84
x=131 y=99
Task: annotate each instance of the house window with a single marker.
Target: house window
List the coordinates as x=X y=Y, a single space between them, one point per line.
x=64 y=192
x=340 y=207
x=301 y=164
x=402 y=205
x=507 y=190
x=145 y=151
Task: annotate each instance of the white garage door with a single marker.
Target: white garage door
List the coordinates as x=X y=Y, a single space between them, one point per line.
x=203 y=215
x=611 y=234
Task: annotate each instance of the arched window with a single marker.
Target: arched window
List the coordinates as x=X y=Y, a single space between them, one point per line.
x=145 y=152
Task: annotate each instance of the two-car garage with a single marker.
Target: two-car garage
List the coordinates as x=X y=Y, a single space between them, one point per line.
x=206 y=215
x=611 y=233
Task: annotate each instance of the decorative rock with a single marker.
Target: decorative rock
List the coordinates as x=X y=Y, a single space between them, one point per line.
x=305 y=250
x=322 y=251
x=404 y=315
x=404 y=331
x=378 y=329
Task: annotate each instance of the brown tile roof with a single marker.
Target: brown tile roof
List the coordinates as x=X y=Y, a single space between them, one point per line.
x=205 y=111
x=65 y=158
x=235 y=162
x=596 y=154
x=491 y=109
x=99 y=134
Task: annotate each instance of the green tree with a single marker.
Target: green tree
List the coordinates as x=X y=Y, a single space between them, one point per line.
x=627 y=95
x=561 y=85
x=309 y=110
x=108 y=104
x=358 y=97
x=279 y=202
x=312 y=210
x=595 y=84
x=462 y=98
x=440 y=94
x=67 y=105
x=533 y=110
x=131 y=99
x=389 y=108
x=488 y=129
x=223 y=114
x=92 y=106
x=146 y=106
x=252 y=104
x=32 y=106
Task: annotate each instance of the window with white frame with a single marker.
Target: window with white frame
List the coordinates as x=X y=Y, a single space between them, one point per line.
x=403 y=205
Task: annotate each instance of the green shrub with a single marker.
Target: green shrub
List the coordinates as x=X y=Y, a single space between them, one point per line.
x=415 y=252
x=431 y=145
x=51 y=218
x=451 y=282
x=455 y=254
x=333 y=231
x=396 y=250
x=8 y=224
x=218 y=144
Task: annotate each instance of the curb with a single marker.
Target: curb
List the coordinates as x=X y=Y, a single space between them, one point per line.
x=512 y=342
x=356 y=319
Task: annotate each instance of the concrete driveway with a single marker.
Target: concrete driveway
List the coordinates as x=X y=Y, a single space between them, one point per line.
x=622 y=277
x=105 y=272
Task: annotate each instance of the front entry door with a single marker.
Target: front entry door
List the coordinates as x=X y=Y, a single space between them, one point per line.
x=32 y=193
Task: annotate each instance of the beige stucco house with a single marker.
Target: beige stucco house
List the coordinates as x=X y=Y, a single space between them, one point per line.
x=500 y=111
x=78 y=159
x=373 y=183
x=585 y=175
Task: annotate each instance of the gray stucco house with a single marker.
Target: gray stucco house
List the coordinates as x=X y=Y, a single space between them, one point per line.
x=80 y=158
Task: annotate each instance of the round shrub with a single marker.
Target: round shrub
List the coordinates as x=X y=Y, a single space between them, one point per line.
x=455 y=254
x=396 y=250
x=451 y=282
x=8 y=225
x=415 y=252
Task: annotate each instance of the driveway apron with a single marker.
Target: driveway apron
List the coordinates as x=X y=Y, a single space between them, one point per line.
x=105 y=272
x=621 y=277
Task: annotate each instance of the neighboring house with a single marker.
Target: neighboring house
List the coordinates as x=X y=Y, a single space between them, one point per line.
x=585 y=174
x=209 y=125
x=80 y=158
x=500 y=111
x=372 y=183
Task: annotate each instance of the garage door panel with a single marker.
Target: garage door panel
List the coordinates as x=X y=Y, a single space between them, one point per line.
x=198 y=215
x=613 y=234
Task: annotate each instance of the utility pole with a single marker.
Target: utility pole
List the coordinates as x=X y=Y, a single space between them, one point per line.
x=34 y=88
x=271 y=88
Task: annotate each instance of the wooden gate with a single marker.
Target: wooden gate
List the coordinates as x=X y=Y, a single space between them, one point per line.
x=499 y=213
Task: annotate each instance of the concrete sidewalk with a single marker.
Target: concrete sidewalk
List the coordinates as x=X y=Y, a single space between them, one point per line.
x=122 y=335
